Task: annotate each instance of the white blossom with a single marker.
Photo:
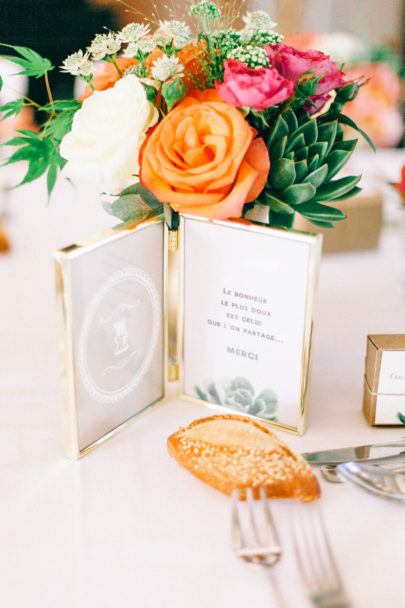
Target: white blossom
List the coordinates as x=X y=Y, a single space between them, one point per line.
x=258 y=21
x=145 y=46
x=166 y=67
x=133 y=32
x=107 y=134
x=77 y=64
x=176 y=31
x=104 y=44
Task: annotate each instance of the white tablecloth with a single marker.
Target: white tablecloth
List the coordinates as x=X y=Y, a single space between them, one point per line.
x=126 y=526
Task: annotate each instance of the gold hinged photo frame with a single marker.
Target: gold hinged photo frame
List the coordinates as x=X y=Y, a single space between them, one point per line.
x=223 y=307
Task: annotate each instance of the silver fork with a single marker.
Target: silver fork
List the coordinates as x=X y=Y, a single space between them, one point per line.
x=254 y=536
x=315 y=559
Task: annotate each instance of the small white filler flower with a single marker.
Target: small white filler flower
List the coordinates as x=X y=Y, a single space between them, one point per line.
x=258 y=21
x=167 y=67
x=133 y=32
x=104 y=44
x=77 y=64
x=176 y=31
x=145 y=46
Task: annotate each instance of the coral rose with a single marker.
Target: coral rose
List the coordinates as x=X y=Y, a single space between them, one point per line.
x=204 y=159
x=258 y=89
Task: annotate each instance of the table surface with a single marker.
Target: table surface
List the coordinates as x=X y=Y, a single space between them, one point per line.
x=126 y=526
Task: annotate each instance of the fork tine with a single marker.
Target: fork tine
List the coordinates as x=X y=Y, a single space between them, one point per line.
x=237 y=535
x=315 y=559
x=268 y=519
x=248 y=520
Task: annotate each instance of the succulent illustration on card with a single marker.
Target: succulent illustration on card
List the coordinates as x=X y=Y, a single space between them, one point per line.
x=239 y=395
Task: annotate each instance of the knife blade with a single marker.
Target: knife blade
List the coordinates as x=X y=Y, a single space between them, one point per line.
x=370 y=452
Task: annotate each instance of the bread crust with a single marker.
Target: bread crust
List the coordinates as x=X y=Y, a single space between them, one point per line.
x=226 y=466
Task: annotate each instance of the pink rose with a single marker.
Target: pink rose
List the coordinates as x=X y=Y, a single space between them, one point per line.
x=258 y=89
x=292 y=64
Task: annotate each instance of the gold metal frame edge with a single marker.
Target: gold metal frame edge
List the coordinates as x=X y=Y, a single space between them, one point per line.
x=65 y=334
x=315 y=243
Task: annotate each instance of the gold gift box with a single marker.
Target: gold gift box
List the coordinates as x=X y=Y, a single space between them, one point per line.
x=360 y=230
x=384 y=380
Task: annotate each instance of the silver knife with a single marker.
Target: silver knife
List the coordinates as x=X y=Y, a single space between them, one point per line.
x=371 y=452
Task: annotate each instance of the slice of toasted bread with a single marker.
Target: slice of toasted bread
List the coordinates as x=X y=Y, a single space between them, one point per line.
x=230 y=451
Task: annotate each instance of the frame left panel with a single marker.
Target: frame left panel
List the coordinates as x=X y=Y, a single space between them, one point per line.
x=111 y=300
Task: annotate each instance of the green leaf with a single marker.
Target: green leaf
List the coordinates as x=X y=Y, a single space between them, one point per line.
x=298 y=194
x=200 y=394
x=130 y=207
x=291 y=120
x=350 y=123
x=301 y=154
x=281 y=220
x=289 y=155
x=309 y=130
x=31 y=62
x=172 y=217
x=12 y=108
x=277 y=148
x=317 y=177
x=301 y=170
x=401 y=417
x=36 y=151
x=327 y=132
x=348 y=194
x=147 y=196
x=59 y=125
x=335 y=189
x=64 y=104
x=322 y=224
x=320 y=148
x=278 y=131
x=173 y=91
x=336 y=160
x=313 y=163
x=277 y=205
x=296 y=143
x=282 y=173
x=346 y=144
x=1 y=83
x=313 y=210
x=51 y=176
x=151 y=92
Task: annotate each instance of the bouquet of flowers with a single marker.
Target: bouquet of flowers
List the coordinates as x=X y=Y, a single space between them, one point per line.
x=211 y=123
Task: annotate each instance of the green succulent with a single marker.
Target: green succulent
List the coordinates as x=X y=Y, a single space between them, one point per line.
x=306 y=154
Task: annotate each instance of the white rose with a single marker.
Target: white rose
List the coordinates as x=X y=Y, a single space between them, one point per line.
x=107 y=133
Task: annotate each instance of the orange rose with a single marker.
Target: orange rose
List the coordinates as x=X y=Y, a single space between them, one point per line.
x=203 y=158
x=106 y=75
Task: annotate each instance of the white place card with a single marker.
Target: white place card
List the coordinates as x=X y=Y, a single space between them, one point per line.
x=248 y=295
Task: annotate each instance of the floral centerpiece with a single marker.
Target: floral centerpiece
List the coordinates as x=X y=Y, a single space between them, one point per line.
x=211 y=122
